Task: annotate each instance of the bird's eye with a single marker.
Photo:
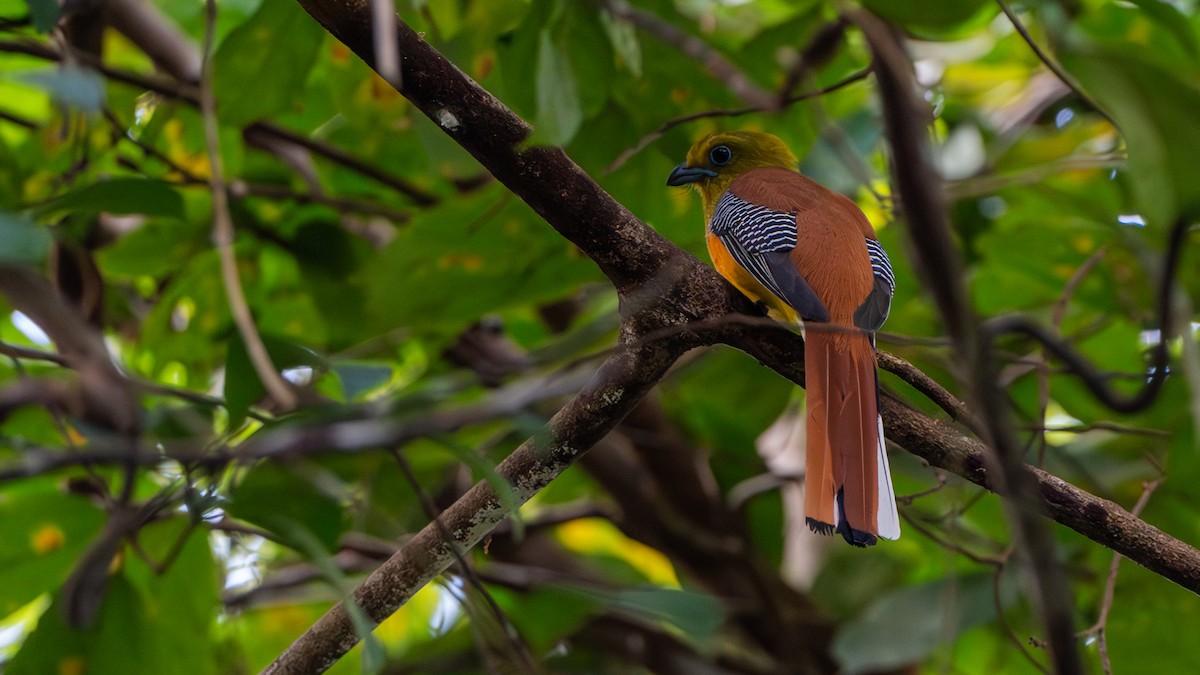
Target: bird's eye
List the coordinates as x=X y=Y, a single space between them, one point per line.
x=720 y=155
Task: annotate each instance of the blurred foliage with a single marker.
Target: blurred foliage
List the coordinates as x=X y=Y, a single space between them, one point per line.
x=363 y=291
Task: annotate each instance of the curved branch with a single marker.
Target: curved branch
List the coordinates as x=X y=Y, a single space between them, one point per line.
x=930 y=388
x=856 y=76
x=1096 y=382
x=1050 y=63
x=190 y=93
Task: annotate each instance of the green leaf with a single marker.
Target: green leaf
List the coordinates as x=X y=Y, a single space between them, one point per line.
x=181 y=601
x=42 y=533
x=1171 y=20
x=150 y=621
x=559 y=111
x=291 y=502
x=926 y=16
x=55 y=647
x=120 y=196
x=697 y=616
x=243 y=388
x=157 y=248
x=44 y=14
x=260 y=68
x=517 y=53
x=1154 y=109
x=22 y=241
x=529 y=611
x=624 y=39
x=467 y=257
x=907 y=624
x=591 y=56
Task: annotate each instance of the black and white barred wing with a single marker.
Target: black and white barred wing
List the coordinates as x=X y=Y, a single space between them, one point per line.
x=874 y=311
x=761 y=240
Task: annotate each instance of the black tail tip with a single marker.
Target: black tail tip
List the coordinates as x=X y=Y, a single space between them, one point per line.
x=852 y=536
x=858 y=537
x=819 y=527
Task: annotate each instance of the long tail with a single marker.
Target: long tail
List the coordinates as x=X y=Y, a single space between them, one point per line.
x=848 y=485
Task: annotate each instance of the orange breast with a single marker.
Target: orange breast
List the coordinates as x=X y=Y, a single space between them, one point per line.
x=744 y=282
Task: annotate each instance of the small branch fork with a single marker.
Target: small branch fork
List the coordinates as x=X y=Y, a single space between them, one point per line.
x=1098 y=629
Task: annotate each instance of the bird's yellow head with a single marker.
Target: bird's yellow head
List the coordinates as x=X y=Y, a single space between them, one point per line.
x=715 y=160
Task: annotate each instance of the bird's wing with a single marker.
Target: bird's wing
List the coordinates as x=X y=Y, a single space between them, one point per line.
x=874 y=311
x=760 y=240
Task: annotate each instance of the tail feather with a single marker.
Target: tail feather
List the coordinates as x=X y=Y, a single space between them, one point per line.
x=847 y=482
x=888 y=520
x=819 y=483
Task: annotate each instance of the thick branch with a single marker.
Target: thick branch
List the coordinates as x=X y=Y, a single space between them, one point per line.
x=1100 y=520
x=619 y=384
x=626 y=250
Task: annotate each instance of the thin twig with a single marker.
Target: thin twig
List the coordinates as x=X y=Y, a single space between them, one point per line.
x=18 y=120
x=191 y=94
x=1049 y=62
x=941 y=483
x=123 y=133
x=1101 y=426
x=981 y=558
x=16 y=352
x=1098 y=629
x=721 y=68
x=420 y=196
x=930 y=387
x=1094 y=380
x=223 y=236
x=156 y=84
x=978 y=186
x=238 y=188
x=463 y=566
x=1056 y=319
x=734 y=112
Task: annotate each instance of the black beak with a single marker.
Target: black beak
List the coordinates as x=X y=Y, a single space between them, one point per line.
x=683 y=174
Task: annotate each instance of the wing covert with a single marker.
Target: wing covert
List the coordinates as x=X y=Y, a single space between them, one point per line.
x=874 y=310
x=760 y=239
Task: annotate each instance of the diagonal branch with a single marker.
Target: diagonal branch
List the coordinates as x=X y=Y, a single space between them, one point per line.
x=580 y=424
x=223 y=236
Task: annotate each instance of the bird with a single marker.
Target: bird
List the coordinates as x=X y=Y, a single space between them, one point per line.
x=811 y=257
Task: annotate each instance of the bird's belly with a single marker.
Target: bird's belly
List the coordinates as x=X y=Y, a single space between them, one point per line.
x=745 y=282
